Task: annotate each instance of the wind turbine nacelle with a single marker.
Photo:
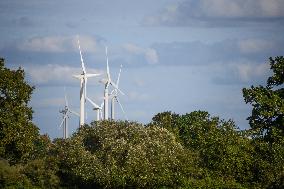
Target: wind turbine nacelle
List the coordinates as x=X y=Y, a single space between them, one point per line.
x=103 y=81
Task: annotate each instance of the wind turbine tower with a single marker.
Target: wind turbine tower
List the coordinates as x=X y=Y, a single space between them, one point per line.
x=83 y=86
x=64 y=122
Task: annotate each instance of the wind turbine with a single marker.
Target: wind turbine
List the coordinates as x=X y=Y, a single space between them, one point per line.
x=66 y=111
x=108 y=82
x=83 y=84
x=97 y=108
x=114 y=97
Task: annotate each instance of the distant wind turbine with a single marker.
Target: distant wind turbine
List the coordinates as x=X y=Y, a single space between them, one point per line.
x=108 y=82
x=97 y=108
x=114 y=98
x=66 y=111
x=83 y=86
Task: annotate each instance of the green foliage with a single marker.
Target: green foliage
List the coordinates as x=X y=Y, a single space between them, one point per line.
x=223 y=150
x=277 y=66
x=268 y=103
x=11 y=176
x=267 y=122
x=20 y=143
x=268 y=163
x=17 y=132
x=36 y=174
x=124 y=154
x=42 y=146
x=212 y=182
x=167 y=120
x=42 y=173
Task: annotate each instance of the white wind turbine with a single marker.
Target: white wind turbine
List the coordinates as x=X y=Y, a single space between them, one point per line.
x=66 y=111
x=114 y=98
x=83 y=84
x=108 y=82
x=97 y=108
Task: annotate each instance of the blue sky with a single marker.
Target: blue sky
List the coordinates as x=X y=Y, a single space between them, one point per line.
x=179 y=56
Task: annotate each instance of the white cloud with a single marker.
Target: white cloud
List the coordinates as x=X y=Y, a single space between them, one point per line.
x=54 y=73
x=241 y=8
x=133 y=48
x=59 y=44
x=238 y=72
x=149 y=54
x=255 y=45
x=248 y=71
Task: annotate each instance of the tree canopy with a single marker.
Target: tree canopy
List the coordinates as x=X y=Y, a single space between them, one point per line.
x=17 y=132
x=125 y=154
x=268 y=103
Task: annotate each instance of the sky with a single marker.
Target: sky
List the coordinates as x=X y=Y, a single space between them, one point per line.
x=177 y=55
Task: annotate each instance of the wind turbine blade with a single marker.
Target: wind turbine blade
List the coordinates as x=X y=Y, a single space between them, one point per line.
x=77 y=76
x=66 y=100
x=93 y=103
x=65 y=116
x=92 y=75
x=121 y=107
x=118 y=77
x=102 y=104
x=116 y=87
x=108 y=74
x=112 y=92
x=82 y=60
x=73 y=112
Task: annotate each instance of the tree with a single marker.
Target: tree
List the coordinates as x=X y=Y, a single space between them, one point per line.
x=124 y=154
x=224 y=151
x=268 y=103
x=42 y=172
x=11 y=176
x=17 y=132
x=268 y=163
x=166 y=120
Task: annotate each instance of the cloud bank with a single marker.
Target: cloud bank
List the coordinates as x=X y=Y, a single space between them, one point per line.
x=200 y=53
x=58 y=44
x=218 y=13
x=149 y=54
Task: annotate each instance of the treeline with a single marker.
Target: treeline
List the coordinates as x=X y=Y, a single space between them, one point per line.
x=194 y=150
